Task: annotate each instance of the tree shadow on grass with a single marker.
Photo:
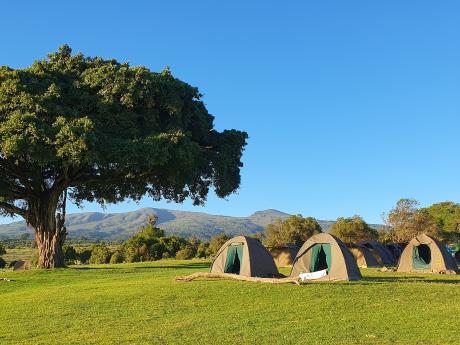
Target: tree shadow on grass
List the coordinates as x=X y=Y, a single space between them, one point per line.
x=194 y=265
x=408 y=279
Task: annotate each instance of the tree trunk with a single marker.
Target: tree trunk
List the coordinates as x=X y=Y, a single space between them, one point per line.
x=50 y=232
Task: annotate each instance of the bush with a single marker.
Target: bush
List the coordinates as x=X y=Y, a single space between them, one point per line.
x=70 y=254
x=99 y=254
x=203 y=250
x=117 y=257
x=184 y=254
x=2 y=263
x=2 y=249
x=83 y=255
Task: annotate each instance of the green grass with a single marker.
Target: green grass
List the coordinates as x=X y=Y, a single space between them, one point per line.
x=142 y=304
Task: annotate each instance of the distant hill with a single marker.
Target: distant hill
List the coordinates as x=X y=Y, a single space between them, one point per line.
x=119 y=226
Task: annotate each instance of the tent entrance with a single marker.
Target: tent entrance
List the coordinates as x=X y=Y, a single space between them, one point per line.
x=421 y=257
x=234 y=259
x=320 y=257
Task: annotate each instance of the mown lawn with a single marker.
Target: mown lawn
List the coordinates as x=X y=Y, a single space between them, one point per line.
x=142 y=304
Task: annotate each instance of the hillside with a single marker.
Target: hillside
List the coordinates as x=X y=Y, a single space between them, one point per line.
x=118 y=226
x=115 y=226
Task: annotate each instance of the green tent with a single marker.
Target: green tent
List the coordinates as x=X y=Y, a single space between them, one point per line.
x=234 y=259
x=320 y=256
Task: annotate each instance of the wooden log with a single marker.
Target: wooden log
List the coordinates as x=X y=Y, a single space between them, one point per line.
x=230 y=276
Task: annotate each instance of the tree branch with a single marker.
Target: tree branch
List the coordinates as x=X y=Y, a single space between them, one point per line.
x=197 y=275
x=13 y=209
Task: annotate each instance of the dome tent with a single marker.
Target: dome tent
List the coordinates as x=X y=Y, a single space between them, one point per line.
x=283 y=255
x=325 y=251
x=363 y=256
x=245 y=256
x=383 y=254
x=426 y=254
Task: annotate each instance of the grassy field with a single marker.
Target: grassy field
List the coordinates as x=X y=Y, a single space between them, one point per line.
x=142 y=304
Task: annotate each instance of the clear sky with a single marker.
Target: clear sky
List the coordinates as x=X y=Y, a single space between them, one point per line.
x=349 y=105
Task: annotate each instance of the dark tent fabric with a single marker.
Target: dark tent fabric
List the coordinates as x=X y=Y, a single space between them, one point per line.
x=320 y=257
x=234 y=258
x=420 y=262
x=385 y=255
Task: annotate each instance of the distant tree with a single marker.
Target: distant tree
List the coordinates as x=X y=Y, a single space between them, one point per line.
x=99 y=254
x=90 y=129
x=2 y=263
x=2 y=249
x=353 y=230
x=407 y=221
x=185 y=254
x=203 y=250
x=117 y=257
x=172 y=245
x=145 y=245
x=447 y=217
x=70 y=254
x=84 y=255
x=293 y=229
x=217 y=242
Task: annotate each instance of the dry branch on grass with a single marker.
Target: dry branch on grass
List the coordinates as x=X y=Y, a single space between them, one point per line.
x=237 y=277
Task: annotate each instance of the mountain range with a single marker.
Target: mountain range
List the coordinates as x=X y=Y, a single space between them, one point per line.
x=120 y=226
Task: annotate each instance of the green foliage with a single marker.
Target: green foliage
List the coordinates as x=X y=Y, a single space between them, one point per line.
x=84 y=255
x=353 y=230
x=70 y=254
x=2 y=249
x=185 y=254
x=294 y=229
x=99 y=254
x=217 y=242
x=447 y=218
x=172 y=245
x=203 y=250
x=117 y=257
x=406 y=221
x=113 y=130
x=2 y=263
x=145 y=245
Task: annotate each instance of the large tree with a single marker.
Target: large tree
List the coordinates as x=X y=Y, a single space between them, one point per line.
x=97 y=130
x=353 y=230
x=406 y=221
x=293 y=229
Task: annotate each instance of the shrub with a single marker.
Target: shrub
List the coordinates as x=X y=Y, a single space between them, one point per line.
x=99 y=254
x=117 y=257
x=2 y=249
x=184 y=254
x=70 y=254
x=83 y=255
x=2 y=263
x=203 y=250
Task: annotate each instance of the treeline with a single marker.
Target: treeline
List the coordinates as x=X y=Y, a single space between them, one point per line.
x=149 y=244
x=402 y=223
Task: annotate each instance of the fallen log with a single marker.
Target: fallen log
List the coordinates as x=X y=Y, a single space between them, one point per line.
x=230 y=276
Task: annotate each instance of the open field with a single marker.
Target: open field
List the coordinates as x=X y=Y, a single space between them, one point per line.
x=142 y=304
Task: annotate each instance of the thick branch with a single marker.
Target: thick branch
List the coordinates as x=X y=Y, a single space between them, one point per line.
x=13 y=209
x=238 y=277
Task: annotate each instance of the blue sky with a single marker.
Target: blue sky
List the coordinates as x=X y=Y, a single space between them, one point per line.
x=349 y=105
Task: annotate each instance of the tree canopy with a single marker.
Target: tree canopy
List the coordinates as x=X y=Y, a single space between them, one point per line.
x=294 y=229
x=97 y=130
x=406 y=221
x=353 y=230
